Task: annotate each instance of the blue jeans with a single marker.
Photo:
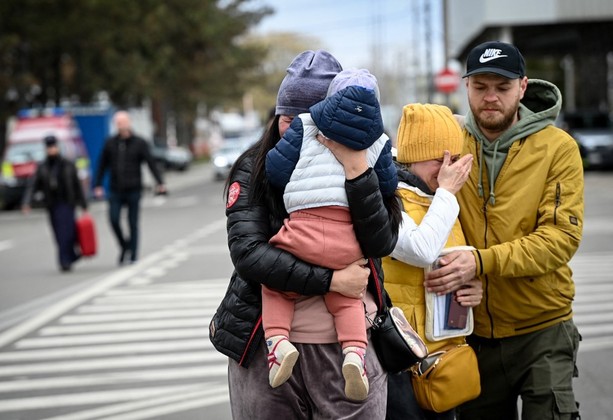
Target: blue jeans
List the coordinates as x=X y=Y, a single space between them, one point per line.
x=130 y=199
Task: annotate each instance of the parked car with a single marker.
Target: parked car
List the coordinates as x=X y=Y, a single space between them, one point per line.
x=231 y=148
x=593 y=131
x=175 y=157
x=24 y=149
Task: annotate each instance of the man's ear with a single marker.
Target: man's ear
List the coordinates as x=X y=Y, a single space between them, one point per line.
x=523 y=85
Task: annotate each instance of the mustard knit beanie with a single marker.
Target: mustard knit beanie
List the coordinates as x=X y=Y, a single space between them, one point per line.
x=426 y=131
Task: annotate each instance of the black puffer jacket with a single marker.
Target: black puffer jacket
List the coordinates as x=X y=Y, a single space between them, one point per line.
x=124 y=157
x=236 y=327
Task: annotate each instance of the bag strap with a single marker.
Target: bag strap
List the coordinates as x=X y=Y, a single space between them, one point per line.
x=379 y=317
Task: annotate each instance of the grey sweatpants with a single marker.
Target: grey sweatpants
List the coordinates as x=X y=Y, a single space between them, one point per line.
x=316 y=389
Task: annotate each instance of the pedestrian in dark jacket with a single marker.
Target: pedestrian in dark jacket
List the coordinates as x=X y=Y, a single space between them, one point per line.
x=57 y=179
x=255 y=213
x=122 y=156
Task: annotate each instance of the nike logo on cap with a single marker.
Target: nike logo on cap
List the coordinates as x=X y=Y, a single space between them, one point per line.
x=491 y=54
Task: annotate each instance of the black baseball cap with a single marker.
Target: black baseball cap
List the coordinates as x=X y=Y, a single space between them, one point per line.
x=496 y=57
x=50 y=140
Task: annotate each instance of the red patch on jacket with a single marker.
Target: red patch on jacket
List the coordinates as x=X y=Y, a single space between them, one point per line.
x=233 y=193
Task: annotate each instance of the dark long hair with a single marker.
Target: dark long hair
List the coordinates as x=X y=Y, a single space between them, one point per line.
x=259 y=185
x=394 y=207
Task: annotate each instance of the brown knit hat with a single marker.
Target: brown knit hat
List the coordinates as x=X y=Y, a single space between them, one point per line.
x=426 y=131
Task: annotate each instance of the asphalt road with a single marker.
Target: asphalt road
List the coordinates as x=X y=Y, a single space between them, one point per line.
x=131 y=342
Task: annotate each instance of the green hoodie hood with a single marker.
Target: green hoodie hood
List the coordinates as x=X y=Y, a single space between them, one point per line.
x=538 y=108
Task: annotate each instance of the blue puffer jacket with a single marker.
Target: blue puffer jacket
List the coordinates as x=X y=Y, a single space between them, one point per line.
x=308 y=172
x=352 y=116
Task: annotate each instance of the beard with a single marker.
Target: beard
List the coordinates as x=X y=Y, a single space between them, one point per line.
x=495 y=123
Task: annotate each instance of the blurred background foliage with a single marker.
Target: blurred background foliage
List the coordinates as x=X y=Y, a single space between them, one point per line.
x=182 y=55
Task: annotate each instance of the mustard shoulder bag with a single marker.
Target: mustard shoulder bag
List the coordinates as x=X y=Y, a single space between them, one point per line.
x=446 y=378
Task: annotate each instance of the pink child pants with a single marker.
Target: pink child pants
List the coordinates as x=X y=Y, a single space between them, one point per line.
x=322 y=236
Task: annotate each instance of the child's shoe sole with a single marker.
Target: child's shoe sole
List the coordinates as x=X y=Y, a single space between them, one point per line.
x=285 y=369
x=356 y=388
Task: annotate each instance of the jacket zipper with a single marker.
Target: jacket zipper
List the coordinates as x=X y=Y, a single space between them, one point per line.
x=253 y=332
x=487 y=280
x=557 y=204
x=376 y=277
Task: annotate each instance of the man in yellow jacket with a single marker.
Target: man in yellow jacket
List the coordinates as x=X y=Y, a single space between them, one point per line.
x=522 y=209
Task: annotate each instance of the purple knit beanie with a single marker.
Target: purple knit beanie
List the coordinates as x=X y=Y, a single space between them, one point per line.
x=354 y=77
x=306 y=82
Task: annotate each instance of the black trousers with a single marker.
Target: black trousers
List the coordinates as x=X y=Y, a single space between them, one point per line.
x=62 y=219
x=131 y=200
x=401 y=403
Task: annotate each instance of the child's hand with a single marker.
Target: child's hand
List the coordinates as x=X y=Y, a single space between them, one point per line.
x=452 y=176
x=471 y=294
x=354 y=161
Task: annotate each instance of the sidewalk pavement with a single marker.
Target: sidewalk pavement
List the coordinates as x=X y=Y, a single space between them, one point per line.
x=197 y=172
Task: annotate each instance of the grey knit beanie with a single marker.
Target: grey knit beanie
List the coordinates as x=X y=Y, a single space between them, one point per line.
x=306 y=82
x=354 y=77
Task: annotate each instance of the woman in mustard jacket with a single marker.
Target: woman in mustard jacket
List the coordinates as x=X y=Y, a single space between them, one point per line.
x=430 y=172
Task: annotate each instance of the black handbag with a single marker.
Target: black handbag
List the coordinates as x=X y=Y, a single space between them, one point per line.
x=397 y=345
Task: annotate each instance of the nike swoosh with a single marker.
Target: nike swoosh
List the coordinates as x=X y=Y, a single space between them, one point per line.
x=485 y=60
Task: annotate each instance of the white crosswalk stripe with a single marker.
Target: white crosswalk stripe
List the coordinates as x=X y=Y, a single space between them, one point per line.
x=593 y=306
x=145 y=408
x=136 y=351
x=4 y=245
x=140 y=350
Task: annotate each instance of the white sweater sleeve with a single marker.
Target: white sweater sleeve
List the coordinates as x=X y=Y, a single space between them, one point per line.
x=420 y=245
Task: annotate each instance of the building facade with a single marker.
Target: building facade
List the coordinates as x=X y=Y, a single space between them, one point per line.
x=567 y=42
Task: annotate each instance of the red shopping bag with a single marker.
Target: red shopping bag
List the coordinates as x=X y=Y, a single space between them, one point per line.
x=86 y=235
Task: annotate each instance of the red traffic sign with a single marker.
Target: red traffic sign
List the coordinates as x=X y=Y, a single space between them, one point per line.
x=447 y=81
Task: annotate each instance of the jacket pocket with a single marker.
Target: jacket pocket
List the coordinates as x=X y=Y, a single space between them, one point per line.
x=564 y=403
